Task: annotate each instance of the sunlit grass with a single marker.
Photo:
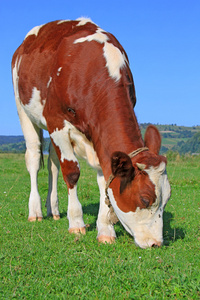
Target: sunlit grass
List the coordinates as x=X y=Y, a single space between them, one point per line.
x=41 y=260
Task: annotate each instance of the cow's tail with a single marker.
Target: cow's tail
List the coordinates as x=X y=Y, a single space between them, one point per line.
x=41 y=149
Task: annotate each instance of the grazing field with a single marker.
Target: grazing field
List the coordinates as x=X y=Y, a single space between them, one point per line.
x=42 y=260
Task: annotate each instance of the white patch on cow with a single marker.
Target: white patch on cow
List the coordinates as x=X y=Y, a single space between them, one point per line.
x=16 y=77
x=68 y=136
x=159 y=178
x=63 y=21
x=146 y=225
x=115 y=60
x=83 y=21
x=82 y=147
x=34 y=109
x=62 y=140
x=48 y=83
x=34 y=31
x=99 y=36
x=58 y=71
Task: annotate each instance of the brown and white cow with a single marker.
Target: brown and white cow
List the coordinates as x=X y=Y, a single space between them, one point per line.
x=73 y=79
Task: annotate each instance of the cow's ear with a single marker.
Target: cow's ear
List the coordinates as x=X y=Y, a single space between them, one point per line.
x=122 y=167
x=121 y=164
x=152 y=139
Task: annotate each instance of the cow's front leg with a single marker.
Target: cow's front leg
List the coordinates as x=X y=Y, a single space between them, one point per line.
x=106 y=232
x=75 y=213
x=71 y=172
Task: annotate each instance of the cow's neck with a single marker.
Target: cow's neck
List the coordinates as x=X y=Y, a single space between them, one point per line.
x=120 y=133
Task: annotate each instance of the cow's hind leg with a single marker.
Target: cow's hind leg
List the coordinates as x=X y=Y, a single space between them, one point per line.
x=33 y=139
x=52 y=198
x=32 y=157
x=106 y=232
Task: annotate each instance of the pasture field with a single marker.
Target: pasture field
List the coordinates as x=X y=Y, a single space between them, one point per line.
x=41 y=260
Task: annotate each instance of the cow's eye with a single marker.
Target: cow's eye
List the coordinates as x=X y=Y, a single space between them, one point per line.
x=145 y=201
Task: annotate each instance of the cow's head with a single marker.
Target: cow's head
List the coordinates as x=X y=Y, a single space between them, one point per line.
x=140 y=191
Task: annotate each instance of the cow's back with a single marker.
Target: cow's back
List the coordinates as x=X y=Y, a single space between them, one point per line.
x=67 y=66
x=36 y=57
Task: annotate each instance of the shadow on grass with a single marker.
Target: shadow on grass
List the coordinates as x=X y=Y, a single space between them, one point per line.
x=171 y=234
x=91 y=209
x=63 y=215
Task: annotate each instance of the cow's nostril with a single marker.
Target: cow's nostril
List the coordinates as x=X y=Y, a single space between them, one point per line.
x=154 y=246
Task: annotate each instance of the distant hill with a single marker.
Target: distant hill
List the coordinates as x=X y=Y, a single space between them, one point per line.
x=11 y=139
x=16 y=144
x=176 y=138
x=192 y=145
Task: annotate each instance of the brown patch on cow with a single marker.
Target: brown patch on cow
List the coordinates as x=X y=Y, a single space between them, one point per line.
x=71 y=172
x=70 y=169
x=139 y=193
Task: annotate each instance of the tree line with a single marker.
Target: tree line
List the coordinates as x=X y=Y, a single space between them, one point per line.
x=186 y=140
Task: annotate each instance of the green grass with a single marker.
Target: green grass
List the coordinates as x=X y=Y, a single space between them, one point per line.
x=42 y=260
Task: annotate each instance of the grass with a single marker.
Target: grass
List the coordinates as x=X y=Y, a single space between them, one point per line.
x=42 y=261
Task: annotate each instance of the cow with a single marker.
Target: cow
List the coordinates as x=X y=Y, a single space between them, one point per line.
x=73 y=79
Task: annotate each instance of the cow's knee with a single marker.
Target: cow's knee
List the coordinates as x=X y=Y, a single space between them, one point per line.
x=71 y=173
x=68 y=162
x=72 y=178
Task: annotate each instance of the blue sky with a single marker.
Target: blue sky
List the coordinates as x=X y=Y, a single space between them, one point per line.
x=161 y=38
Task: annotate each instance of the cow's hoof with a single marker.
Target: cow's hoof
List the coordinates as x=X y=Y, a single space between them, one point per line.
x=33 y=219
x=106 y=239
x=77 y=230
x=56 y=217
